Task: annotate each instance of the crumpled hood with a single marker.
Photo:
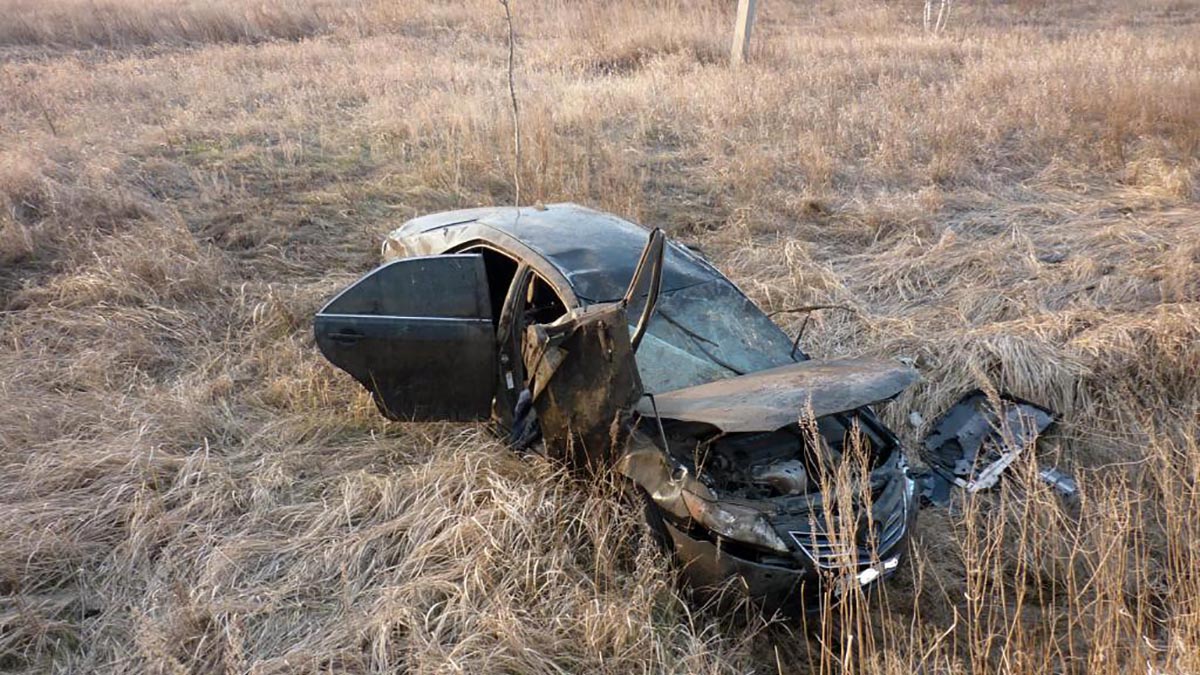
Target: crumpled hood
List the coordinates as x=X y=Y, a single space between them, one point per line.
x=771 y=399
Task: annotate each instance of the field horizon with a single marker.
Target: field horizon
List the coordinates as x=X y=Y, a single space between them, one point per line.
x=187 y=486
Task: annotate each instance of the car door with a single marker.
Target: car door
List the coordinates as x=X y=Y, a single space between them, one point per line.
x=418 y=334
x=581 y=373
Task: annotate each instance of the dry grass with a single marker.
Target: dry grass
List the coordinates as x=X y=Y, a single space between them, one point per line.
x=187 y=486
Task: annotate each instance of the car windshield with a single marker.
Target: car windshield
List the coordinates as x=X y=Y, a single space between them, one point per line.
x=707 y=332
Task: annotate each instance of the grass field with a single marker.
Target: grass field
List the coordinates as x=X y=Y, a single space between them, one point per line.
x=186 y=486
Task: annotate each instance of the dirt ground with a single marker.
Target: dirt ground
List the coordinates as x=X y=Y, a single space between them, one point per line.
x=186 y=486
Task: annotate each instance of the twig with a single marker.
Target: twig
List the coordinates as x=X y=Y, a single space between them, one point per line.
x=808 y=308
x=516 y=113
x=943 y=15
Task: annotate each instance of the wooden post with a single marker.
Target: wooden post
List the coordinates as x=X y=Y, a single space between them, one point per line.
x=741 y=31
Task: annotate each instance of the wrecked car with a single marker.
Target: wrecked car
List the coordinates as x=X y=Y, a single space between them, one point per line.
x=623 y=351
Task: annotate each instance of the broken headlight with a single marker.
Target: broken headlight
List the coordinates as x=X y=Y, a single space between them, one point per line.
x=733 y=521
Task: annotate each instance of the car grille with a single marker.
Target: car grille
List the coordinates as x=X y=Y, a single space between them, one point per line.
x=833 y=552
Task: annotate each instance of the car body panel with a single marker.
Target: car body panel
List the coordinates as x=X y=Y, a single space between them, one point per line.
x=704 y=327
x=978 y=438
x=769 y=399
x=418 y=334
x=583 y=382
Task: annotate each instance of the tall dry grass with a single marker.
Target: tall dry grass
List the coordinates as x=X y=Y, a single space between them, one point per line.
x=187 y=486
x=128 y=23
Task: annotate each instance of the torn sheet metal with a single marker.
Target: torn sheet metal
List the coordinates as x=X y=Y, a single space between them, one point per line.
x=773 y=398
x=973 y=443
x=1061 y=482
x=583 y=402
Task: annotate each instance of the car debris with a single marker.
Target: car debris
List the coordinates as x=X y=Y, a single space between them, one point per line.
x=615 y=349
x=975 y=441
x=1061 y=482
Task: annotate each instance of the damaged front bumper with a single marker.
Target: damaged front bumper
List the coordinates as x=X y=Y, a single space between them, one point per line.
x=774 y=585
x=789 y=554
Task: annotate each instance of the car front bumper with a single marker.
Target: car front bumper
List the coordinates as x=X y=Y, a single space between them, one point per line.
x=792 y=586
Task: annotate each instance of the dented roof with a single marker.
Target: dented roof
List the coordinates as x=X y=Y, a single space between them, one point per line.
x=596 y=252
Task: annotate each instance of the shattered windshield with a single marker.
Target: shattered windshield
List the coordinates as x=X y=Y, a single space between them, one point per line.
x=706 y=332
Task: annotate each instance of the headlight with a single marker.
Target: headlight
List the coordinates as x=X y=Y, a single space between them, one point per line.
x=735 y=522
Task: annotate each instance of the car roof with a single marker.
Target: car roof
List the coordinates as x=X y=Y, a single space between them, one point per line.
x=596 y=252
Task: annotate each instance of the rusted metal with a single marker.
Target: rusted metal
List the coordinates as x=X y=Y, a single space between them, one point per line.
x=584 y=383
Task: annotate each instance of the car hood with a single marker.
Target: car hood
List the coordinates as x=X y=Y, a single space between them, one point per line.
x=770 y=399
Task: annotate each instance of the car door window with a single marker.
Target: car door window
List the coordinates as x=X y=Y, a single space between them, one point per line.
x=418 y=334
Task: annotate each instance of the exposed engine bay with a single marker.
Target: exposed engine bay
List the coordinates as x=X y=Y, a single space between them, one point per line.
x=786 y=462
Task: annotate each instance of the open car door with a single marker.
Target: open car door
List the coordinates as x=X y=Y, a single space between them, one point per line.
x=418 y=334
x=581 y=373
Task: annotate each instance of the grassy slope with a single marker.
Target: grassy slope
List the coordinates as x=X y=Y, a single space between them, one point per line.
x=186 y=485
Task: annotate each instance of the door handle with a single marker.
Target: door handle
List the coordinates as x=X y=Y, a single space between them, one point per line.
x=346 y=337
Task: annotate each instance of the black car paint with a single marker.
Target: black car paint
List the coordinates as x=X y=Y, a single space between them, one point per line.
x=400 y=346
